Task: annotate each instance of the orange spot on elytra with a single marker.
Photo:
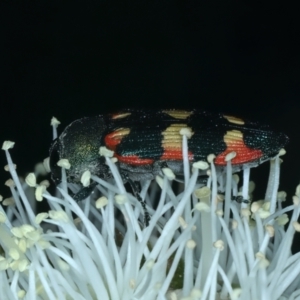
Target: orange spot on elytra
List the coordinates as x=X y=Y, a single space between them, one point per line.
x=113 y=139
x=244 y=154
x=175 y=155
x=134 y=160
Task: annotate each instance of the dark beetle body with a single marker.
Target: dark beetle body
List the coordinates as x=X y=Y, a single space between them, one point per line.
x=144 y=140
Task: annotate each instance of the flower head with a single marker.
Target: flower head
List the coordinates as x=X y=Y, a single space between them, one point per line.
x=200 y=244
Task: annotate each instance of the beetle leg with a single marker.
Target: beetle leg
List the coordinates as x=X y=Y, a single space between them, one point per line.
x=240 y=199
x=136 y=189
x=85 y=192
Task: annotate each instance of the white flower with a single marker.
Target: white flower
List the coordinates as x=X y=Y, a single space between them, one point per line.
x=199 y=244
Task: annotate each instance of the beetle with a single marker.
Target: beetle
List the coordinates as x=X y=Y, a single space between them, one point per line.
x=144 y=141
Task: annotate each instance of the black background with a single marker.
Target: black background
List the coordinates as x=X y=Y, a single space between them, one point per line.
x=79 y=58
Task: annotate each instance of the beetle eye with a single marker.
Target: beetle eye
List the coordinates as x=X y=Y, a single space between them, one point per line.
x=54 y=158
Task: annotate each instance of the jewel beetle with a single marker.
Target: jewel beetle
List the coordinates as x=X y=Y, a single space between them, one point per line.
x=145 y=140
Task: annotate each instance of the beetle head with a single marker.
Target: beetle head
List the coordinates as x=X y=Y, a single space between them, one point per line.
x=79 y=143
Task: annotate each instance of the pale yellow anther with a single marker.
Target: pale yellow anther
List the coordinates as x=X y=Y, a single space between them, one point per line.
x=58 y=215
x=14 y=265
x=86 y=178
x=43 y=244
x=236 y=293
x=39 y=192
x=251 y=187
x=266 y=205
x=220 y=198
x=149 y=264
x=8 y=145
x=64 y=163
x=45 y=183
x=103 y=151
x=54 y=122
x=8 y=201
x=168 y=173
x=182 y=222
x=210 y=158
x=263 y=214
x=31 y=180
x=296 y=200
x=77 y=221
x=191 y=244
x=260 y=255
x=23 y=264
x=4 y=264
x=10 y=183
x=6 y=168
x=202 y=206
x=26 y=228
x=159 y=181
x=63 y=265
x=282 y=220
x=172 y=295
x=114 y=160
x=17 y=232
x=219 y=244
x=22 y=245
x=195 y=293
x=14 y=253
x=101 y=202
x=202 y=193
x=245 y=212
x=234 y=224
x=296 y=226
x=281 y=196
x=201 y=165
x=270 y=230
x=46 y=163
x=263 y=262
x=121 y=199
x=187 y=132
x=219 y=213
x=41 y=217
x=2 y=217
x=132 y=283
x=230 y=156
x=30 y=243
x=33 y=236
x=282 y=152
x=236 y=178
x=21 y=294
x=261 y=202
